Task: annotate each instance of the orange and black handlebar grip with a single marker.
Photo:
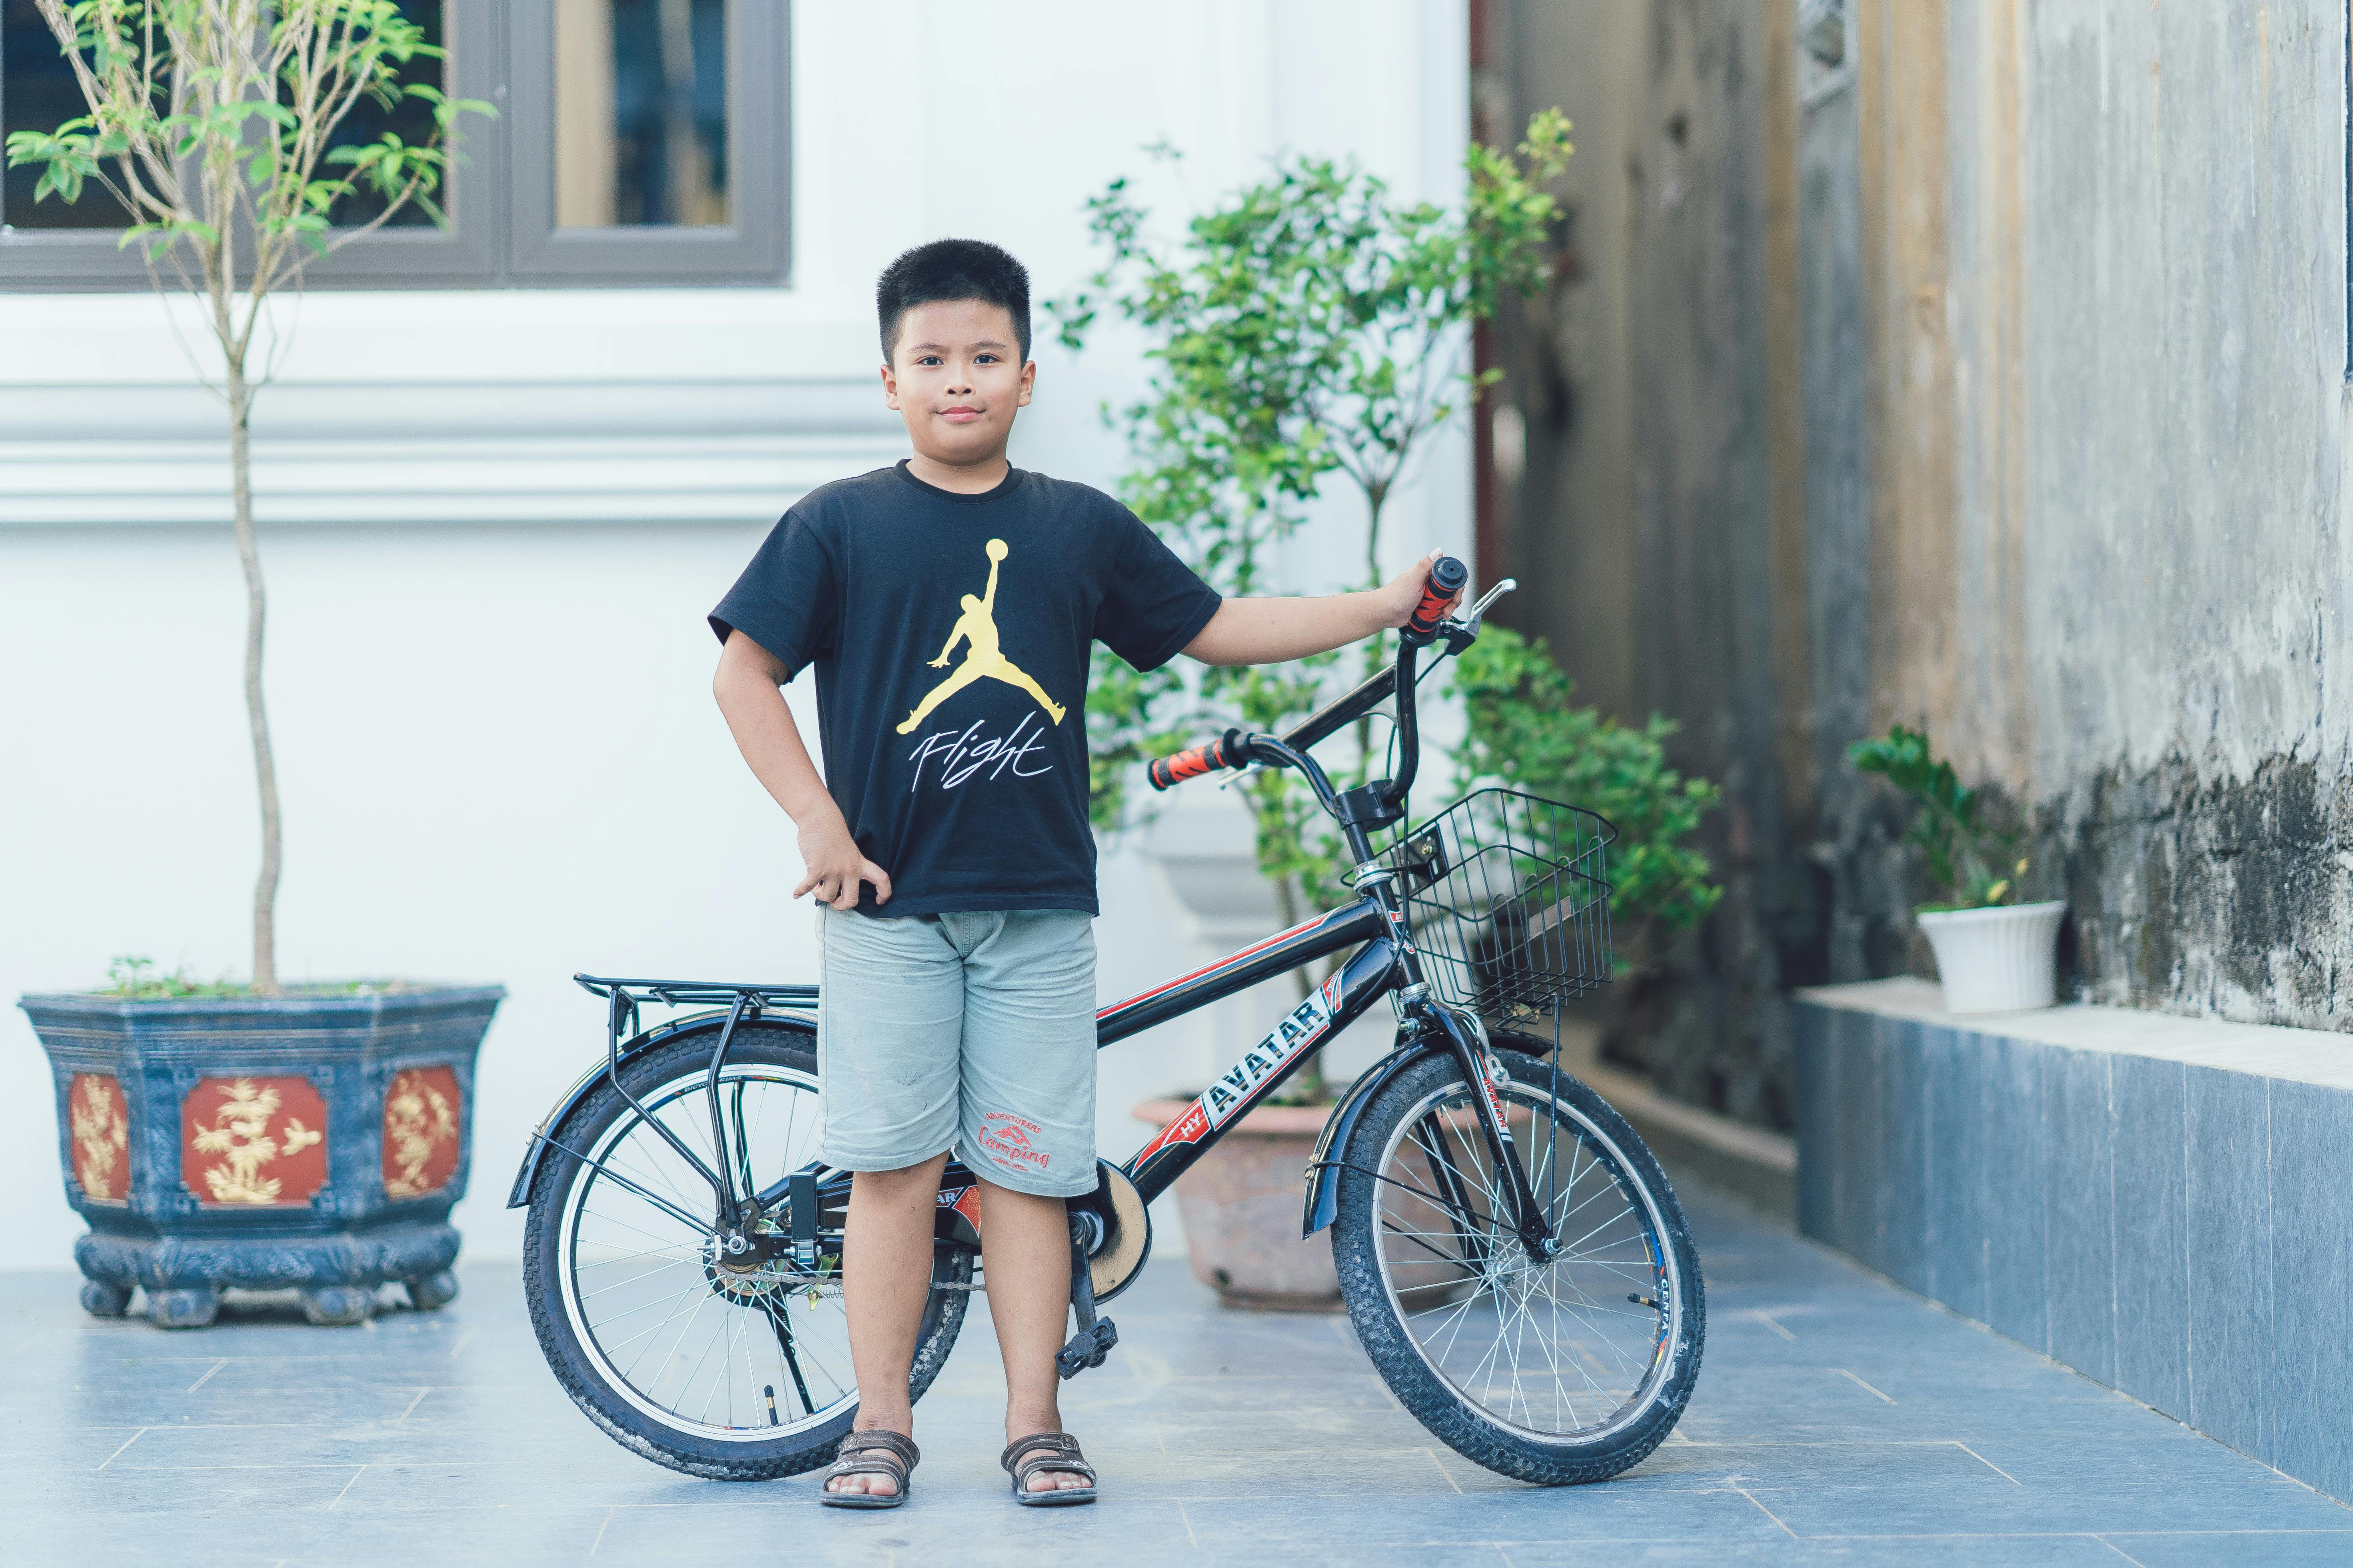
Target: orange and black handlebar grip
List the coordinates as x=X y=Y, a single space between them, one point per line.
x=1167 y=773
x=1446 y=578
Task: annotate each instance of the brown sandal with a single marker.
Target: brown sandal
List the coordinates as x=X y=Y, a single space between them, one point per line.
x=894 y=1456
x=1053 y=1451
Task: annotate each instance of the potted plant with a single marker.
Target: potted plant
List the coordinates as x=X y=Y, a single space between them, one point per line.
x=1307 y=326
x=313 y=1138
x=252 y=1135
x=1993 y=954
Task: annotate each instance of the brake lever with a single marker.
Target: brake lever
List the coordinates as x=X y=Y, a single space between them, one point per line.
x=1479 y=610
x=1461 y=633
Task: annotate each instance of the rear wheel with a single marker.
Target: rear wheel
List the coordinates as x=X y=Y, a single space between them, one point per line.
x=1556 y=1371
x=731 y=1368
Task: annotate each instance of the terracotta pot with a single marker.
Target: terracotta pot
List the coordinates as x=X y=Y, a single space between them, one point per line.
x=1240 y=1204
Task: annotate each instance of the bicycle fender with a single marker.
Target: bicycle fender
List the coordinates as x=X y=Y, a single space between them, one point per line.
x=1321 y=1200
x=535 y=1150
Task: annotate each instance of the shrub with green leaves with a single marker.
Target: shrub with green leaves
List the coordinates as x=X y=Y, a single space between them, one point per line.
x=1962 y=852
x=1305 y=325
x=1527 y=732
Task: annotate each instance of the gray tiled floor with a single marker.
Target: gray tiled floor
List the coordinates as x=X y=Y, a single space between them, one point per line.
x=1838 y=1419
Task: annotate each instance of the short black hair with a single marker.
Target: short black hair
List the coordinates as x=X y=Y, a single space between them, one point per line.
x=953 y=270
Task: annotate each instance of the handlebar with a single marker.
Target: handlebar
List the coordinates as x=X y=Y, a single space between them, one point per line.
x=1446 y=578
x=1167 y=773
x=1236 y=750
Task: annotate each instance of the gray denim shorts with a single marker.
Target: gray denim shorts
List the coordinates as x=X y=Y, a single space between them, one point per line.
x=967 y=1031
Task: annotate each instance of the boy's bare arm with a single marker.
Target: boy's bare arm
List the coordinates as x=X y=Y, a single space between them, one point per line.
x=749 y=689
x=1269 y=631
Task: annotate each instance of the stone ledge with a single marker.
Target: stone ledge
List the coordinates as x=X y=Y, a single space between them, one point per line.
x=2302 y=1056
x=2158 y=1202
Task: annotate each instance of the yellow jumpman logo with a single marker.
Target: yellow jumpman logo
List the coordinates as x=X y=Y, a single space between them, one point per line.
x=977 y=626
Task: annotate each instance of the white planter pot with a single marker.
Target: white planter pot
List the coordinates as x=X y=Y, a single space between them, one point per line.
x=1998 y=959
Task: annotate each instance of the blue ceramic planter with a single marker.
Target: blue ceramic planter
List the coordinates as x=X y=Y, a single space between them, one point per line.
x=312 y=1140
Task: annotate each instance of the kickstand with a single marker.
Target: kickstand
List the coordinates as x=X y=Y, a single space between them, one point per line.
x=1096 y=1335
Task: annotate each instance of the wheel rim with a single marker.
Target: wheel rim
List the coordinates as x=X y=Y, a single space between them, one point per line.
x=1553 y=1351
x=687 y=1340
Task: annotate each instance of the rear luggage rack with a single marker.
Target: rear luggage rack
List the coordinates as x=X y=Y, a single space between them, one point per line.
x=697 y=993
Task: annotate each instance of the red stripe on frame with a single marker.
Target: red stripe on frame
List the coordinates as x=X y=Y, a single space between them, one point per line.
x=1185 y=1129
x=1103 y=1013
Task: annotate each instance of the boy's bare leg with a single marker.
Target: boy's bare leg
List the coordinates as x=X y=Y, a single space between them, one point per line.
x=886 y=1266
x=1025 y=1245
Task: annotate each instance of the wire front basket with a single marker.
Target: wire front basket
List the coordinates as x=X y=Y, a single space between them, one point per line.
x=1510 y=901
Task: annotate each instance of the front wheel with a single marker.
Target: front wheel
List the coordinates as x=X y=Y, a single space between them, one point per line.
x=1559 y=1371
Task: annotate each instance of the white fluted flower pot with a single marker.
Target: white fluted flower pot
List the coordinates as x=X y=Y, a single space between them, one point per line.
x=1999 y=959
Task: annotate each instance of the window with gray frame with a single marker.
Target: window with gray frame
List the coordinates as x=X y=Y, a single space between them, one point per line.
x=638 y=143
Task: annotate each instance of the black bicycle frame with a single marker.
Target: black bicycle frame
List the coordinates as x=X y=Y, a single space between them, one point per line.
x=1384 y=963
x=1366 y=977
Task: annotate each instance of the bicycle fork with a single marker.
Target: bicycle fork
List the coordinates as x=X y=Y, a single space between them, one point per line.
x=1527 y=1218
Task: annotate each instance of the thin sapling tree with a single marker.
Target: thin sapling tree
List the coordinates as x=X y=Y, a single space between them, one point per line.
x=214 y=124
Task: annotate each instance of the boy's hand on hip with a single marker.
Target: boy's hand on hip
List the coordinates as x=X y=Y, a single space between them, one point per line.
x=835 y=867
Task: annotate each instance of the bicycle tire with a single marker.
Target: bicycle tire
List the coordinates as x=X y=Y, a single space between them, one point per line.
x=582 y=1371
x=1435 y=1393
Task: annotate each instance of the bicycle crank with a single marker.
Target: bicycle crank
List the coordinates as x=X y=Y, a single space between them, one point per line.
x=1096 y=1336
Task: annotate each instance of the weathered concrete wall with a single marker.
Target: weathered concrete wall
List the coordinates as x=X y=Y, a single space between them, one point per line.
x=2185 y=557
x=1991 y=377
x=2148 y=390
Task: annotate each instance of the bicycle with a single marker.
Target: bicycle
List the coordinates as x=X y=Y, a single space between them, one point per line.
x=1511 y=1259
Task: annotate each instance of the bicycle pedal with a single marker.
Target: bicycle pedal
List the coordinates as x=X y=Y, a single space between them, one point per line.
x=1087 y=1348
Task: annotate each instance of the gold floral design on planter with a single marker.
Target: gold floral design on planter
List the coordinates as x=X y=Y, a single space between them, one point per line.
x=420 y=1131
x=99 y=1124
x=249 y=1142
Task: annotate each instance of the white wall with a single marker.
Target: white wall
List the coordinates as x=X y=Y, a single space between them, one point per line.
x=494 y=521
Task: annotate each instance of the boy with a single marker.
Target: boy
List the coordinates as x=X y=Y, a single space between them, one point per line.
x=948 y=842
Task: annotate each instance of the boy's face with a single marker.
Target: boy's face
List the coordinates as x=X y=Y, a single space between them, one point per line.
x=956 y=377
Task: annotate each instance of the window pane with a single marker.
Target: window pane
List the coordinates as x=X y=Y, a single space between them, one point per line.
x=641 y=113
x=410 y=118
x=37 y=92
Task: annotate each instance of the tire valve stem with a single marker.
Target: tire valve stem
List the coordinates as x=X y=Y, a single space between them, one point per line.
x=770 y=1390
x=1640 y=1300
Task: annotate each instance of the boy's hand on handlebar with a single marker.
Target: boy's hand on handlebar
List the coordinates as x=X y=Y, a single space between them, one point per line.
x=1402 y=595
x=835 y=867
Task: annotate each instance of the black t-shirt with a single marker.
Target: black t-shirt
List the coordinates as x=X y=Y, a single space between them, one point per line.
x=951 y=636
